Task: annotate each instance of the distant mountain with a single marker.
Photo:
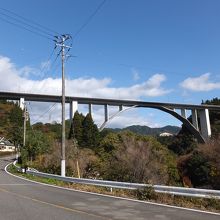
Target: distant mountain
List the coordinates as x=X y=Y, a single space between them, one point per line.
x=145 y=130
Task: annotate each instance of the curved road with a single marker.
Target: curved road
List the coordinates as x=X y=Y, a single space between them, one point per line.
x=24 y=200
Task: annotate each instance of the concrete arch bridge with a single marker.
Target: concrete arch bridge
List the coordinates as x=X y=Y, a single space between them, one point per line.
x=200 y=126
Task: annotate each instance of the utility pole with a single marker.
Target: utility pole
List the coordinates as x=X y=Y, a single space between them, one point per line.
x=60 y=41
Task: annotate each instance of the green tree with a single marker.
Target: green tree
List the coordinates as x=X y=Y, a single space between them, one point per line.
x=90 y=135
x=52 y=130
x=36 y=143
x=198 y=169
x=214 y=117
x=203 y=165
x=76 y=130
x=15 y=126
x=126 y=156
x=183 y=144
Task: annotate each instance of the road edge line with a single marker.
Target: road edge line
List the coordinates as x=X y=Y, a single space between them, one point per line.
x=109 y=196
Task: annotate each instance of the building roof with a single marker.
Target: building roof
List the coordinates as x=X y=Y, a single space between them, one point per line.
x=5 y=142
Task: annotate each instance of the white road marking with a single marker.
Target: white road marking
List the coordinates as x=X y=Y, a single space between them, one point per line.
x=115 y=197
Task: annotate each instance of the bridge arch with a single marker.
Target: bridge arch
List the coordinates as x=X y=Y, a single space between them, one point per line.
x=184 y=120
x=202 y=134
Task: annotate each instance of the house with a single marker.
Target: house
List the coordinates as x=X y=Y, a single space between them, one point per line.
x=6 y=146
x=165 y=134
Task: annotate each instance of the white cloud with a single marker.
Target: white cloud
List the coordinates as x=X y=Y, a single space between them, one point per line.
x=27 y=71
x=200 y=84
x=18 y=80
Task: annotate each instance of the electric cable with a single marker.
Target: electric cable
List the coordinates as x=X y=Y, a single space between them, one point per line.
x=88 y=20
x=29 y=21
x=26 y=24
x=48 y=110
x=25 y=28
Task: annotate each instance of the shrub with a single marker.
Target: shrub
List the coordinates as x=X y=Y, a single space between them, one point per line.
x=147 y=193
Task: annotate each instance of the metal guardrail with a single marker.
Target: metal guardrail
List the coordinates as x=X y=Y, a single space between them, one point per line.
x=17 y=167
x=181 y=191
x=22 y=170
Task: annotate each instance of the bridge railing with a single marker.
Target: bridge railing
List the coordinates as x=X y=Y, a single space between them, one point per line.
x=173 y=190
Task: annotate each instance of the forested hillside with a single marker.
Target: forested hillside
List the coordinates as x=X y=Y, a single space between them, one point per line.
x=122 y=156
x=11 y=122
x=145 y=130
x=200 y=166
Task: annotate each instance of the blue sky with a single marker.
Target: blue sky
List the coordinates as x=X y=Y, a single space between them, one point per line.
x=152 y=50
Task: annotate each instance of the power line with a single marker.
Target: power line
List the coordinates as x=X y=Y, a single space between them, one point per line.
x=27 y=24
x=25 y=28
x=88 y=20
x=54 y=69
x=43 y=70
x=29 y=21
x=47 y=63
x=48 y=110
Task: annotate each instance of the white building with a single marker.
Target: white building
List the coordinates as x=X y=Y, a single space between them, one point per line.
x=165 y=134
x=6 y=146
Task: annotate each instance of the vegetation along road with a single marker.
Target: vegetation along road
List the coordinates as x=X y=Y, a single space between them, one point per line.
x=21 y=199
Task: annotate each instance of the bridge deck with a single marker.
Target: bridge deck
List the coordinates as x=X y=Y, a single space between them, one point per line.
x=101 y=101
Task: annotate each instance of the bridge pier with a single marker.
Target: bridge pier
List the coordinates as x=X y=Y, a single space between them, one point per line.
x=73 y=109
x=205 y=123
x=195 y=119
x=90 y=109
x=183 y=113
x=21 y=103
x=106 y=112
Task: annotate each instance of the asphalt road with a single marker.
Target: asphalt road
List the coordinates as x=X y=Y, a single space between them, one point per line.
x=23 y=200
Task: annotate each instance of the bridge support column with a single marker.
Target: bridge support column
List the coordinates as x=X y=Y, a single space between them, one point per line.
x=120 y=108
x=106 y=113
x=205 y=123
x=195 y=119
x=73 y=109
x=21 y=103
x=183 y=113
x=90 y=109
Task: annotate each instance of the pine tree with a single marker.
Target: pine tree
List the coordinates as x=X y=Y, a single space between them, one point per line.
x=14 y=129
x=90 y=135
x=76 y=130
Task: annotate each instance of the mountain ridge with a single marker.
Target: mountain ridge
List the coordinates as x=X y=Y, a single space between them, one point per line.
x=146 y=130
